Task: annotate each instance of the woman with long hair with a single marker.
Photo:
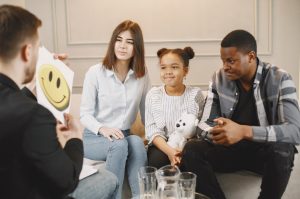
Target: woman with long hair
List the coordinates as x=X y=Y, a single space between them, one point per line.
x=113 y=93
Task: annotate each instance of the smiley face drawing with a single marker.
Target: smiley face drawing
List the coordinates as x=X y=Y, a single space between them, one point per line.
x=54 y=86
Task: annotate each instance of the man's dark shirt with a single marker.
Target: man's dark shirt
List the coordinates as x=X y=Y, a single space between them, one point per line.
x=245 y=112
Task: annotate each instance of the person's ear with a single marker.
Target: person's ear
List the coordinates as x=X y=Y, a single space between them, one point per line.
x=252 y=56
x=186 y=70
x=26 y=52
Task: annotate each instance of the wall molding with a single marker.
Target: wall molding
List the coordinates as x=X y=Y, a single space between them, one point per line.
x=194 y=40
x=54 y=26
x=72 y=43
x=146 y=56
x=259 y=19
x=99 y=42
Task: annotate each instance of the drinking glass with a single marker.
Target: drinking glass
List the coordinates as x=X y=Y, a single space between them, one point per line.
x=147 y=182
x=187 y=185
x=167 y=179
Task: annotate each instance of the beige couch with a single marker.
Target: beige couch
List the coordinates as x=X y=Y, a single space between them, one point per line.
x=239 y=185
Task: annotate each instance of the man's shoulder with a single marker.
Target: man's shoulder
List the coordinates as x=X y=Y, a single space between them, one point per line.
x=273 y=72
x=221 y=83
x=11 y=99
x=220 y=76
x=17 y=107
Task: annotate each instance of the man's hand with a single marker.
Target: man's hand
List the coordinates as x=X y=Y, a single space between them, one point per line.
x=227 y=132
x=111 y=132
x=69 y=131
x=61 y=56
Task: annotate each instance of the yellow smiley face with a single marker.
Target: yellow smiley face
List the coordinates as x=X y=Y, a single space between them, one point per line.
x=54 y=86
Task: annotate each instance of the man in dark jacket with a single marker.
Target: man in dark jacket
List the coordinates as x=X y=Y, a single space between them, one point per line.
x=35 y=164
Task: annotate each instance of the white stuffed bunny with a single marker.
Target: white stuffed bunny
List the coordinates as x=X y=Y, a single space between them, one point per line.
x=185 y=128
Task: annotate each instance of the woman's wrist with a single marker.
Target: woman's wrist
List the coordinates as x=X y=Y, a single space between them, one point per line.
x=99 y=131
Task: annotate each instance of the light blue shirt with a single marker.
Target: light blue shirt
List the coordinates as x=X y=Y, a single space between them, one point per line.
x=106 y=101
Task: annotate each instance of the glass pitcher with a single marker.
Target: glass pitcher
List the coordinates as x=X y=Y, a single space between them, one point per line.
x=167 y=181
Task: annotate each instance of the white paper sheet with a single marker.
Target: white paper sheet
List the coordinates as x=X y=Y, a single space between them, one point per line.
x=54 y=82
x=86 y=171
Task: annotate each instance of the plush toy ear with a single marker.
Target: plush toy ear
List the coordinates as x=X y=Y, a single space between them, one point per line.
x=196 y=122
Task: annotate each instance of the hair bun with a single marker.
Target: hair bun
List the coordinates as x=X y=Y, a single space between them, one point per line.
x=189 y=52
x=161 y=51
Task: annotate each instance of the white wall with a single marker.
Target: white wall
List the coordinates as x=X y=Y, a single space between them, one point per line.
x=13 y=2
x=82 y=28
x=286 y=41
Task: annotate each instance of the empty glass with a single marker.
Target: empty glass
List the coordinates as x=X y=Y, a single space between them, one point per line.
x=187 y=185
x=167 y=179
x=147 y=182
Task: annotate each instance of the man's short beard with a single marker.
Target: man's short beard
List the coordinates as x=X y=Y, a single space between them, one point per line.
x=29 y=74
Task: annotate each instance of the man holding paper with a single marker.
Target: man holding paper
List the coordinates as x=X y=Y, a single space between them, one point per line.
x=33 y=162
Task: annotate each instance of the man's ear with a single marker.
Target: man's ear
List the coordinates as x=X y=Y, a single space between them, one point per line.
x=26 y=52
x=252 y=56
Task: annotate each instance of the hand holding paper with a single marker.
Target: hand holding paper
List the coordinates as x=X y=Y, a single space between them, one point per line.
x=70 y=130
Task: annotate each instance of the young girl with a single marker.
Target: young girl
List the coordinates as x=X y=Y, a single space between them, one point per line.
x=165 y=104
x=113 y=93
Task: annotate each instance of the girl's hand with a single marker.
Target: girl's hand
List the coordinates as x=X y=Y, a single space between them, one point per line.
x=174 y=156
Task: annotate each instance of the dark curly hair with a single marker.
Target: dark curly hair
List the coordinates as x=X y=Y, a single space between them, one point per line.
x=185 y=54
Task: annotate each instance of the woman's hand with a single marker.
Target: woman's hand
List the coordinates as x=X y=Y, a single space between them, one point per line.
x=111 y=132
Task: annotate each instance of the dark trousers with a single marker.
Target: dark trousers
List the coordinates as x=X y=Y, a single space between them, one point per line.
x=274 y=161
x=157 y=158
